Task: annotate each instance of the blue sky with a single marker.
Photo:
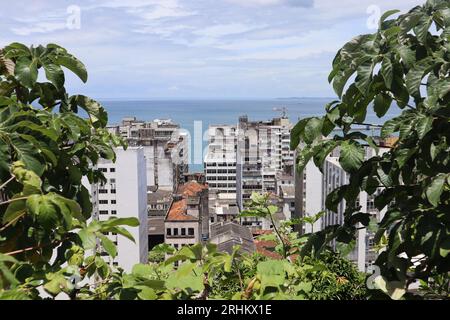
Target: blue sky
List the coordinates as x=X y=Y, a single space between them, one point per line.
x=197 y=48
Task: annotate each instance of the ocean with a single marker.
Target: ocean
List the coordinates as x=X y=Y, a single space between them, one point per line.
x=208 y=112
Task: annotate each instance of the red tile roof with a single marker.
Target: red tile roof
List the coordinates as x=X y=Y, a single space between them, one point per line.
x=177 y=212
x=191 y=188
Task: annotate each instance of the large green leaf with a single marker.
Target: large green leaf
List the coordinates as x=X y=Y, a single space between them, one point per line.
x=26 y=71
x=96 y=112
x=434 y=190
x=44 y=210
x=387 y=71
x=414 y=77
x=313 y=129
x=352 y=155
x=382 y=104
x=73 y=64
x=54 y=74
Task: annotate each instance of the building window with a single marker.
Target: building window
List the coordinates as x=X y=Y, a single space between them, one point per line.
x=113 y=201
x=176 y=246
x=175 y=231
x=212 y=219
x=169 y=231
x=103 y=201
x=103 y=169
x=112 y=169
x=191 y=231
x=113 y=190
x=112 y=180
x=115 y=263
x=113 y=212
x=183 y=231
x=103 y=191
x=103 y=212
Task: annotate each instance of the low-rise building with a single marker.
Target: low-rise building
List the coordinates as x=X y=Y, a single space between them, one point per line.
x=227 y=234
x=187 y=219
x=158 y=203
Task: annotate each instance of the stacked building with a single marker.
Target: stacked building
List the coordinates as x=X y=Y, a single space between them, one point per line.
x=165 y=148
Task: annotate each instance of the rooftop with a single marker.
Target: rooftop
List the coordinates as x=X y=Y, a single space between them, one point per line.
x=191 y=189
x=178 y=212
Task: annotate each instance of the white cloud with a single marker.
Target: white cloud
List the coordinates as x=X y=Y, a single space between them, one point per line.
x=40 y=27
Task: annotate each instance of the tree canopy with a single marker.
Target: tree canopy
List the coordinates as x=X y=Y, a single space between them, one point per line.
x=405 y=65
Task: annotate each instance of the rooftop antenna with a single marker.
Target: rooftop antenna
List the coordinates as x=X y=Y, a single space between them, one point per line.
x=283 y=111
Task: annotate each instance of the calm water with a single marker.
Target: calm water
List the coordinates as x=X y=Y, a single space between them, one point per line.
x=185 y=112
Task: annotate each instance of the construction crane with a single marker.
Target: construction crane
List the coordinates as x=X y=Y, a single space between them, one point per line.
x=283 y=111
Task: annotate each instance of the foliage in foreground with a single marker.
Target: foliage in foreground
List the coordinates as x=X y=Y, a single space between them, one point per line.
x=405 y=64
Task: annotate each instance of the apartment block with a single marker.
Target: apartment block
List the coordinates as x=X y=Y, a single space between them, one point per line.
x=220 y=160
x=165 y=148
x=262 y=154
x=124 y=195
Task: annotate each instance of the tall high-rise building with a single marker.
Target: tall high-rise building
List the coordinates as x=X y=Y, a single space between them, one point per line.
x=220 y=160
x=124 y=195
x=262 y=154
x=165 y=149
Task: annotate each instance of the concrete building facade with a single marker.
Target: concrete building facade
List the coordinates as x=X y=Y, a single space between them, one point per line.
x=124 y=195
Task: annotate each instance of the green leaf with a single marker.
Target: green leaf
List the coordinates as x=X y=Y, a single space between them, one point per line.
x=444 y=248
x=14 y=210
x=73 y=64
x=297 y=132
x=147 y=294
x=109 y=246
x=313 y=129
x=96 y=112
x=272 y=273
x=26 y=72
x=389 y=127
x=424 y=125
x=340 y=80
x=382 y=104
x=44 y=210
x=415 y=75
x=88 y=238
x=352 y=155
x=386 y=15
x=421 y=29
x=55 y=75
x=434 y=190
x=364 y=77
x=387 y=71
x=407 y=55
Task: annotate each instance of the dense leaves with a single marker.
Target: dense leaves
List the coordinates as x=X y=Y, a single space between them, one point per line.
x=46 y=234
x=405 y=65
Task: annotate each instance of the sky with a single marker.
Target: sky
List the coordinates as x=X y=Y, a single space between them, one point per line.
x=212 y=49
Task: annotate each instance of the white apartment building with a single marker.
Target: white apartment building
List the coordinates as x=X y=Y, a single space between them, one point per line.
x=220 y=159
x=165 y=148
x=124 y=195
x=313 y=188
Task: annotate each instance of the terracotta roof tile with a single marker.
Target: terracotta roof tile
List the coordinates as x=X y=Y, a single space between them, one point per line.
x=191 y=188
x=177 y=211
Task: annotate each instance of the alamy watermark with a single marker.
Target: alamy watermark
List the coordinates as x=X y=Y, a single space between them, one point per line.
x=73 y=20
